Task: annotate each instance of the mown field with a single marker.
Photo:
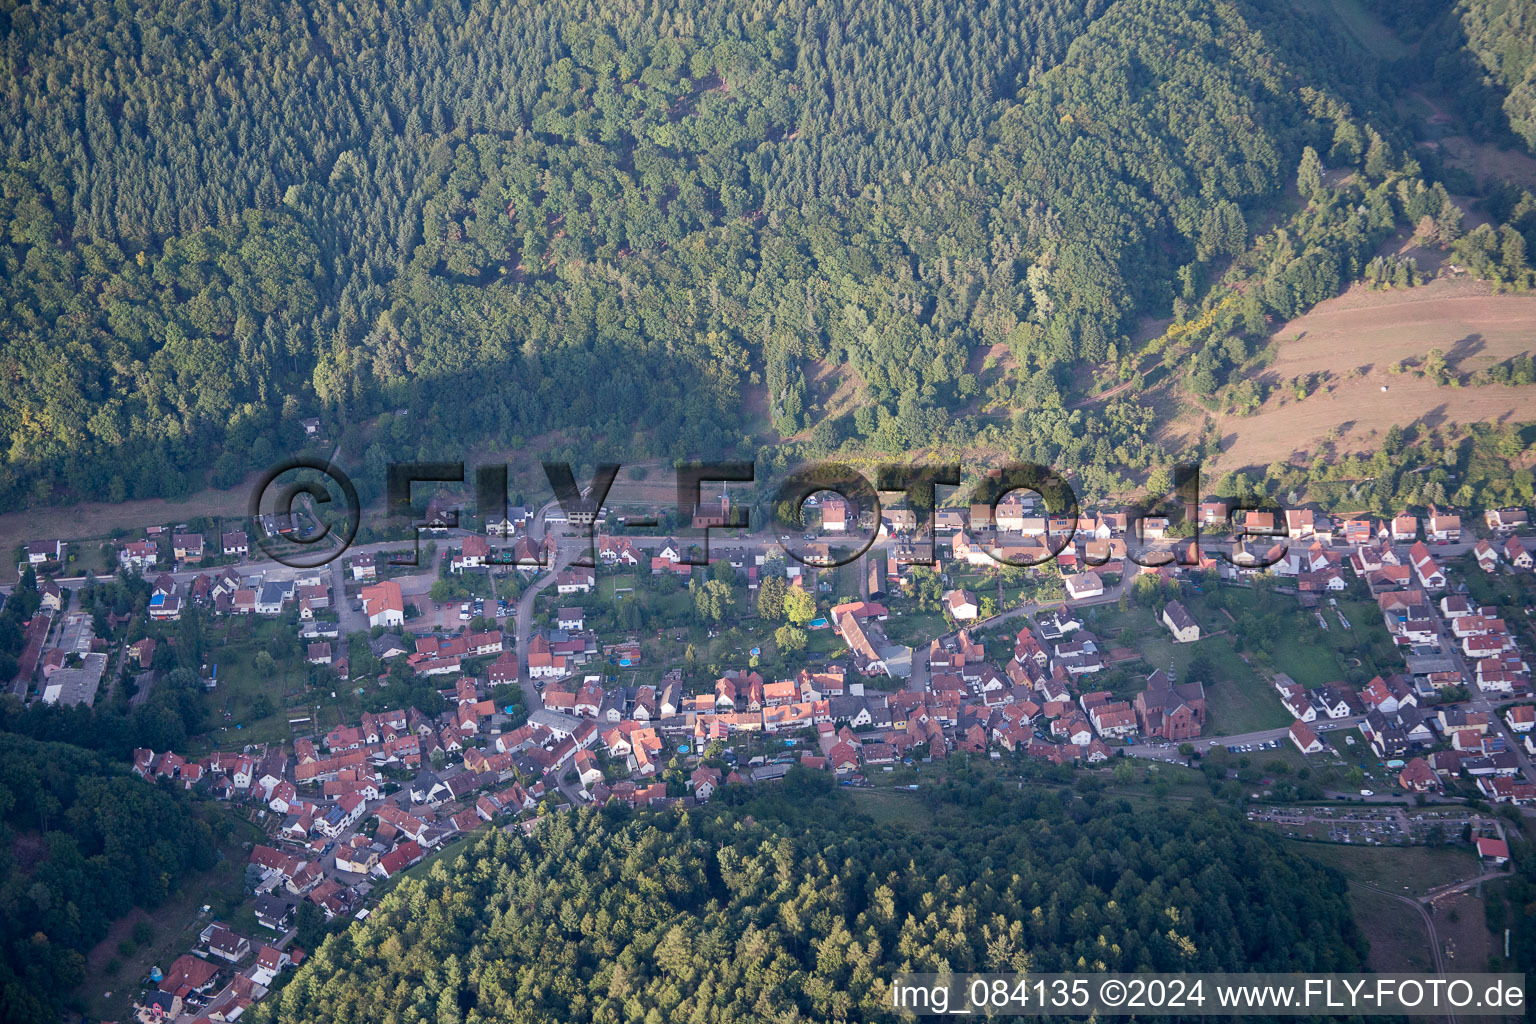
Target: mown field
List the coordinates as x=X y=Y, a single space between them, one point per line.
x=1353 y=339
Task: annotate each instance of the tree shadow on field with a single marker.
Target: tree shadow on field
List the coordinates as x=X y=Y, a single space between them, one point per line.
x=1469 y=346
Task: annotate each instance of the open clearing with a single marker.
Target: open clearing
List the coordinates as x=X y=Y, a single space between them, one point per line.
x=1410 y=870
x=100 y=518
x=1354 y=339
x=1396 y=934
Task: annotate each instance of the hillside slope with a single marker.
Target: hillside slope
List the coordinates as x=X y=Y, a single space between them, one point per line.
x=735 y=914
x=619 y=222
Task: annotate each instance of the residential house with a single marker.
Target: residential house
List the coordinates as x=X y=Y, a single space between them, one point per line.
x=1418 y=777
x=384 y=604
x=225 y=944
x=189 y=974
x=139 y=554
x=1487 y=557
x=269 y=963
x=273 y=912
x=1507 y=520
x=187 y=547
x=1214 y=511
x=575 y=581
x=1444 y=529
x=473 y=555
x=1305 y=738
x=271 y=598
x=1386 y=735
x=961 y=605
x=1180 y=623
x=1300 y=523
x=1430 y=576
x=1084 y=585
x=363 y=566
x=42 y=552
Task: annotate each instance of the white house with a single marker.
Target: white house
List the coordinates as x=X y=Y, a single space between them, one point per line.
x=1305 y=738
x=384 y=604
x=1083 y=585
x=962 y=605
x=1180 y=623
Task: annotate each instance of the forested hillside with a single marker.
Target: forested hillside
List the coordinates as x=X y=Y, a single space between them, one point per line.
x=1502 y=36
x=82 y=841
x=737 y=914
x=641 y=226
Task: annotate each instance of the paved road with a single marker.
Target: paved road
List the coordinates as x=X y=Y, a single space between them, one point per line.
x=566 y=551
x=917 y=682
x=1205 y=743
x=352 y=618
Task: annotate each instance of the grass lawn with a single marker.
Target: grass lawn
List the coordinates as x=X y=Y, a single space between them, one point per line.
x=1321 y=762
x=675 y=606
x=1234 y=708
x=889 y=807
x=823 y=641
x=1124 y=628
x=1156 y=781
x=1394 y=930
x=1310 y=664
x=1461 y=921
x=1361 y=614
x=244 y=690
x=1358 y=23
x=1237 y=698
x=846 y=581
x=448 y=856
x=915 y=628
x=1410 y=870
x=609 y=586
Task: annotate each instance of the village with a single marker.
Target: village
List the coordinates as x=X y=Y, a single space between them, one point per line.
x=1030 y=639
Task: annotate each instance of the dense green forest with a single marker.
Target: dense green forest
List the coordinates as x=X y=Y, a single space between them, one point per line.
x=633 y=227
x=792 y=906
x=82 y=841
x=1502 y=36
x=1480 y=55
